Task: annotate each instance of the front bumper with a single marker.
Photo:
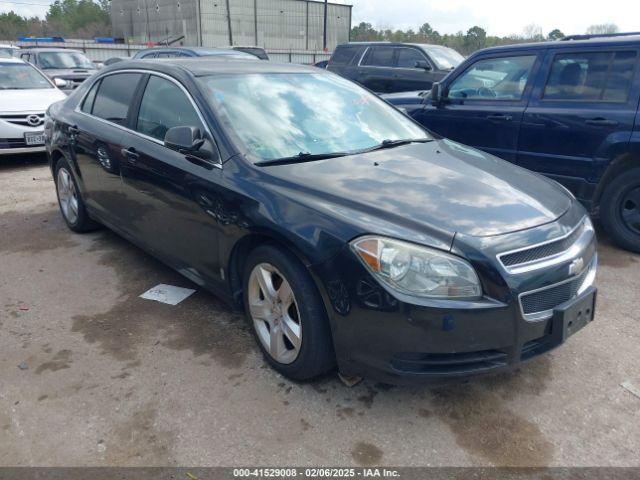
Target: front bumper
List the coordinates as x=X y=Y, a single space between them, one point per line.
x=18 y=151
x=381 y=335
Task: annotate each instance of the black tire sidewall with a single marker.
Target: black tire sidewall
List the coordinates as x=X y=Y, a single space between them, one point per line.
x=610 y=211
x=316 y=353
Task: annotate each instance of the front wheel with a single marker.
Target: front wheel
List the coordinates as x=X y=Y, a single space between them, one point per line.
x=620 y=209
x=287 y=314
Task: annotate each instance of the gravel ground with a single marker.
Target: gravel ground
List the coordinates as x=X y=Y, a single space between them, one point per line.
x=93 y=375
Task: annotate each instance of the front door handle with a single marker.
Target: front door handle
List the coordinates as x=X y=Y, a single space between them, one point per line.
x=130 y=154
x=499 y=118
x=601 y=122
x=73 y=130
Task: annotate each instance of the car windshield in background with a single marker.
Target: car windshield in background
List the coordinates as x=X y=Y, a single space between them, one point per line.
x=64 y=60
x=20 y=76
x=445 y=58
x=6 y=52
x=280 y=115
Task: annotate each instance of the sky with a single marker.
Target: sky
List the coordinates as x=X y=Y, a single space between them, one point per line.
x=497 y=17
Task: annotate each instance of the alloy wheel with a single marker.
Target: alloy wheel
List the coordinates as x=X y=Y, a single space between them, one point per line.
x=275 y=313
x=631 y=210
x=67 y=196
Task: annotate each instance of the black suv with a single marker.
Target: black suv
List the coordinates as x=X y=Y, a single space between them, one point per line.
x=385 y=67
x=567 y=109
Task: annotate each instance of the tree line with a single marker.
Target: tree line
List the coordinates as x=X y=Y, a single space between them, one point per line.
x=65 y=18
x=466 y=43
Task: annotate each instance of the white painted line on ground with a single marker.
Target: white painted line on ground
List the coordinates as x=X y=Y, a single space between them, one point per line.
x=167 y=294
x=631 y=388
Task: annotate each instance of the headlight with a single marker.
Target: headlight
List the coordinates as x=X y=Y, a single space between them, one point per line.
x=416 y=270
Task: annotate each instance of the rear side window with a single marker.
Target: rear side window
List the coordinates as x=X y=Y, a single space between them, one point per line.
x=595 y=76
x=114 y=97
x=168 y=55
x=164 y=105
x=344 y=55
x=379 y=57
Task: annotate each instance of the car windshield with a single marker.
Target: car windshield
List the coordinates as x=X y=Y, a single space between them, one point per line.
x=6 y=52
x=63 y=60
x=20 y=76
x=280 y=115
x=445 y=58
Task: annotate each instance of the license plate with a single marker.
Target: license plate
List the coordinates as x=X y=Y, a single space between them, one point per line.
x=34 y=138
x=573 y=316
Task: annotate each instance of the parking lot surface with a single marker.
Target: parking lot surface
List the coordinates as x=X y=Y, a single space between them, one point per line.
x=94 y=375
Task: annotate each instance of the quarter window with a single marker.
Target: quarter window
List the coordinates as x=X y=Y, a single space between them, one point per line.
x=596 y=76
x=164 y=105
x=379 y=57
x=407 y=57
x=114 y=97
x=87 y=104
x=503 y=78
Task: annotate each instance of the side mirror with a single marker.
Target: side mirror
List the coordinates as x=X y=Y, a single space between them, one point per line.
x=423 y=64
x=435 y=93
x=60 y=82
x=184 y=139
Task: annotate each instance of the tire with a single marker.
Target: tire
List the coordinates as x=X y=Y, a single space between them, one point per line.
x=314 y=354
x=621 y=197
x=70 y=200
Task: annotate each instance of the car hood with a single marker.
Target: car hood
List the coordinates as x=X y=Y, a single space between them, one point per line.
x=439 y=185
x=404 y=98
x=37 y=100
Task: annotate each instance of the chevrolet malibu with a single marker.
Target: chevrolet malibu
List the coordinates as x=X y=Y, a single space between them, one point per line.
x=348 y=234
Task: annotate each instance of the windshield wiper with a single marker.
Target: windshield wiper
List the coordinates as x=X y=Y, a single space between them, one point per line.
x=301 y=157
x=395 y=143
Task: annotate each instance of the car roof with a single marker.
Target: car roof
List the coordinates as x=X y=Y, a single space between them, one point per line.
x=392 y=44
x=577 y=43
x=204 y=66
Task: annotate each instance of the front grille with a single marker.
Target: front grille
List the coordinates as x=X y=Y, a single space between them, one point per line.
x=549 y=298
x=542 y=251
x=437 y=364
x=12 y=143
x=22 y=119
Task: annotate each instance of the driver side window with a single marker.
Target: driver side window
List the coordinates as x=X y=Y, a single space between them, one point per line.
x=503 y=78
x=164 y=105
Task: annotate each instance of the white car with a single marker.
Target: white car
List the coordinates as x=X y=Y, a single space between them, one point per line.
x=25 y=95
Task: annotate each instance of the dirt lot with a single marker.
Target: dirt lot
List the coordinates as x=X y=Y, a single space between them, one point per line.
x=94 y=375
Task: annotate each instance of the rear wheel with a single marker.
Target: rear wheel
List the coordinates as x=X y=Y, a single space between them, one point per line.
x=287 y=314
x=620 y=209
x=70 y=201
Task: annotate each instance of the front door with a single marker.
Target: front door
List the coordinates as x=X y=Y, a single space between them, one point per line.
x=413 y=71
x=176 y=191
x=587 y=104
x=483 y=106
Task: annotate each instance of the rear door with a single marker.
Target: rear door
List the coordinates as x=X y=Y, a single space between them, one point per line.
x=177 y=192
x=483 y=105
x=583 y=107
x=100 y=124
x=376 y=69
x=345 y=60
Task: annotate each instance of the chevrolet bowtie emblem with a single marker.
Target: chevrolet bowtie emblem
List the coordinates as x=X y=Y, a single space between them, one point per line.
x=576 y=266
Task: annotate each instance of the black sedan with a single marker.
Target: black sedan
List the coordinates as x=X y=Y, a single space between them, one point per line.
x=348 y=234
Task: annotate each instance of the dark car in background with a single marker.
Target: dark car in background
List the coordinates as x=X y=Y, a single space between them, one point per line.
x=386 y=67
x=406 y=257
x=187 y=52
x=70 y=66
x=567 y=109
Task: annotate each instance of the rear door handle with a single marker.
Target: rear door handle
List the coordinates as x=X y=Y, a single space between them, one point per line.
x=130 y=154
x=499 y=118
x=601 y=122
